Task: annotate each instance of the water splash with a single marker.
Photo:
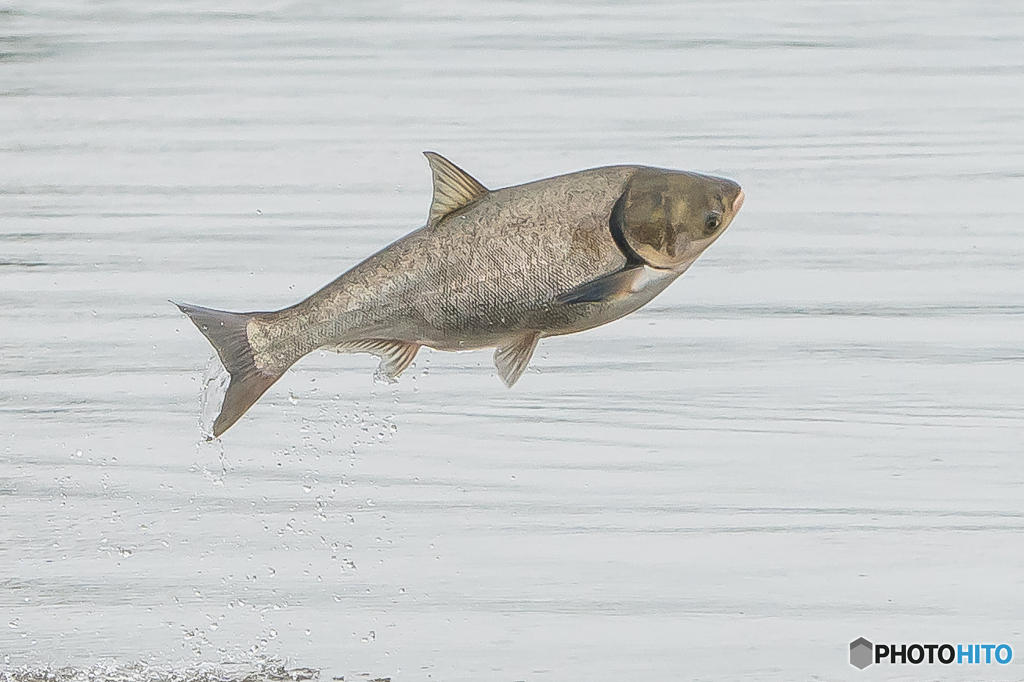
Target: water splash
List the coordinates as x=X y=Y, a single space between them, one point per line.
x=381 y=376
x=260 y=670
x=211 y=396
x=207 y=449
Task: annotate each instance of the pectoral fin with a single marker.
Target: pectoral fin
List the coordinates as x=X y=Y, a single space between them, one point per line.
x=608 y=288
x=395 y=356
x=620 y=284
x=511 y=359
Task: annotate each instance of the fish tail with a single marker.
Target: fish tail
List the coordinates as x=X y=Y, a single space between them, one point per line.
x=227 y=333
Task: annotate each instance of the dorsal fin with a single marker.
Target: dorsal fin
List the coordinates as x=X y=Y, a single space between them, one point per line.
x=453 y=187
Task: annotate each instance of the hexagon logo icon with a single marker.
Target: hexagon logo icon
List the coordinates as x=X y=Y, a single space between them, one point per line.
x=861 y=651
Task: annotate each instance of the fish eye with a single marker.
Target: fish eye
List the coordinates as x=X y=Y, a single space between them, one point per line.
x=711 y=223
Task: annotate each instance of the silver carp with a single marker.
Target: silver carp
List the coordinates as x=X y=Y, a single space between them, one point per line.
x=491 y=268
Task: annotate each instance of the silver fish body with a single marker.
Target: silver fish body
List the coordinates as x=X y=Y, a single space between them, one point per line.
x=499 y=268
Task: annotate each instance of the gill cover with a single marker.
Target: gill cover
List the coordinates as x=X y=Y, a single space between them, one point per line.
x=668 y=218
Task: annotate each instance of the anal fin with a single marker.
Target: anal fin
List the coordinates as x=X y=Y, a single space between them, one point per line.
x=512 y=358
x=395 y=356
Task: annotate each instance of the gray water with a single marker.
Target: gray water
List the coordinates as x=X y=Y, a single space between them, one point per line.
x=814 y=435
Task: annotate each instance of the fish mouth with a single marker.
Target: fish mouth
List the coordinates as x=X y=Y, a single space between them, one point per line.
x=737 y=203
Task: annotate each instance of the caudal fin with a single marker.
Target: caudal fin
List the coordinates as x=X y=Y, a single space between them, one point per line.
x=226 y=331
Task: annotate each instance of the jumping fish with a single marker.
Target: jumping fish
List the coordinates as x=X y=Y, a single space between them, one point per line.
x=491 y=268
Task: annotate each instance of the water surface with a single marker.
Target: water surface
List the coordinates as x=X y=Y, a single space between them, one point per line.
x=814 y=435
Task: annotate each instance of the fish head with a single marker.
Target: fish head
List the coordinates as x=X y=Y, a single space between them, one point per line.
x=669 y=217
